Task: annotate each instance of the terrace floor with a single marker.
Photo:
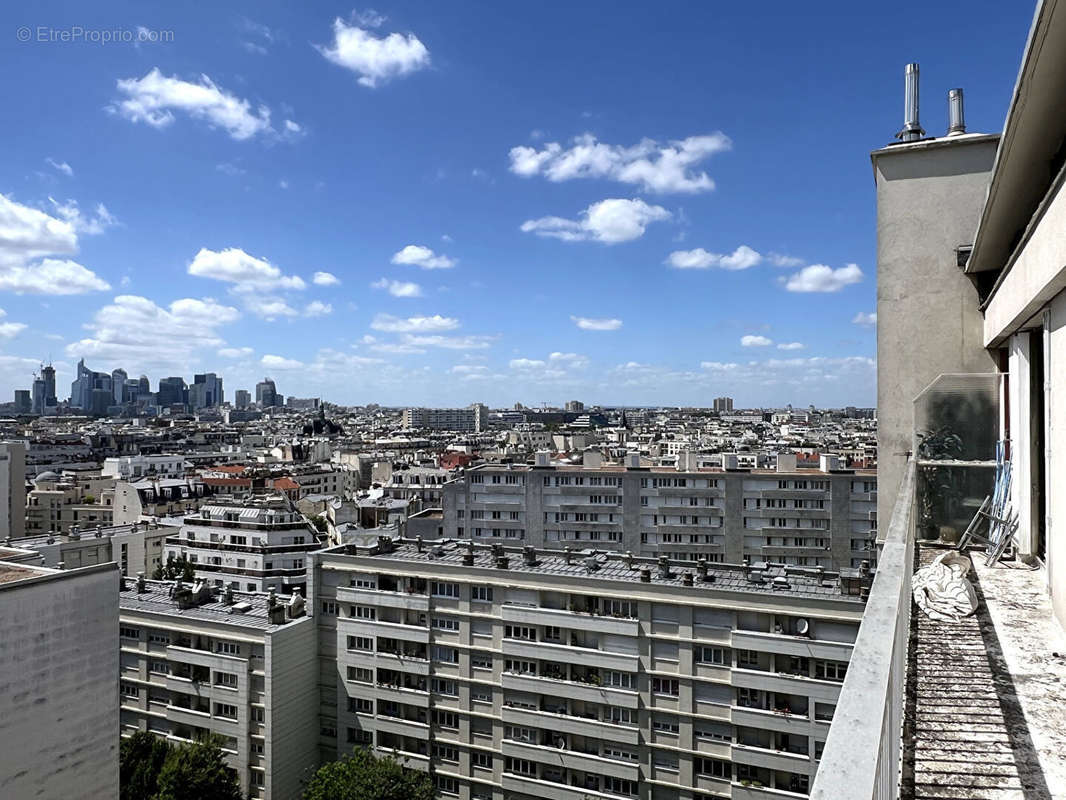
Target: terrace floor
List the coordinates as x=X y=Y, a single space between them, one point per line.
x=986 y=698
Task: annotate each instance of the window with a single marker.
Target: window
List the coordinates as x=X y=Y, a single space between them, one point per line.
x=447 y=655
x=520 y=632
x=228 y=648
x=128 y=633
x=619 y=753
x=665 y=725
x=519 y=666
x=479 y=758
x=480 y=660
x=158 y=638
x=622 y=680
x=356 y=736
x=445 y=784
x=480 y=694
x=258 y=714
x=445 y=719
x=360 y=643
x=620 y=608
x=364 y=582
x=360 y=675
x=714 y=767
x=364 y=612
x=747 y=658
x=360 y=705
x=618 y=716
x=552 y=634
x=129 y=690
x=329 y=607
x=619 y=786
x=520 y=766
x=440 y=589
x=830 y=670
x=227 y=679
x=481 y=594
x=446 y=624
x=520 y=734
x=667 y=686
x=159 y=667
x=445 y=687
x=711 y=655
x=225 y=710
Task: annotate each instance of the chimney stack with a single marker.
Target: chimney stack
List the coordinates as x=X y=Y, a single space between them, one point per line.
x=956 y=115
x=912 y=130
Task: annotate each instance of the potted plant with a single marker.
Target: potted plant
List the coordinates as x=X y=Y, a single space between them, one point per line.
x=938 y=489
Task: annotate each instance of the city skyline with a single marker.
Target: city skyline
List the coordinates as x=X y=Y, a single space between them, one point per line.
x=608 y=238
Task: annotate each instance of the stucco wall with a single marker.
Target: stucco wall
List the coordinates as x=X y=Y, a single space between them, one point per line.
x=929 y=200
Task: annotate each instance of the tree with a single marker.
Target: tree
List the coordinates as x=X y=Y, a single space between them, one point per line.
x=174 y=568
x=320 y=523
x=141 y=757
x=199 y=770
x=364 y=776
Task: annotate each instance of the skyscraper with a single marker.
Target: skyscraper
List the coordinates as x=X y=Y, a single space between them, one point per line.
x=242 y=398
x=171 y=391
x=266 y=393
x=48 y=375
x=210 y=395
x=118 y=385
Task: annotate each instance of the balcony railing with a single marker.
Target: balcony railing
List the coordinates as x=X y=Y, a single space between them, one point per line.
x=861 y=758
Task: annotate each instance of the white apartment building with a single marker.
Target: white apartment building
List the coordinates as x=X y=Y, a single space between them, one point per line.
x=137 y=547
x=801 y=517
x=473 y=419
x=12 y=488
x=196 y=661
x=132 y=468
x=58 y=660
x=254 y=545
x=522 y=673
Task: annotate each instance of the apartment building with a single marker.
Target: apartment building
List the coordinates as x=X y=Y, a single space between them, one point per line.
x=59 y=707
x=473 y=419
x=526 y=673
x=148 y=498
x=197 y=661
x=254 y=544
x=824 y=517
x=137 y=547
x=140 y=466
x=59 y=502
x=12 y=488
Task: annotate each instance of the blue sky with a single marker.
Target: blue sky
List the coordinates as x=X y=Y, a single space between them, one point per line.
x=436 y=204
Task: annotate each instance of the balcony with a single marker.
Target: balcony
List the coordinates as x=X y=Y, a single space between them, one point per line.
x=953 y=710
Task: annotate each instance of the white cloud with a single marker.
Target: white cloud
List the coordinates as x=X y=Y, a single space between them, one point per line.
x=247 y=273
x=130 y=330
x=398 y=288
x=791 y=346
x=468 y=369
x=92 y=224
x=283 y=184
x=781 y=260
x=228 y=168
x=51 y=276
x=9 y=330
x=28 y=234
x=755 y=341
x=655 y=167
x=866 y=319
x=154 y=98
x=609 y=221
x=448 y=342
x=269 y=307
x=526 y=363
x=317 y=308
x=569 y=360
x=590 y=324
x=280 y=362
x=375 y=59
x=325 y=279
x=235 y=352
x=820 y=278
x=419 y=256
x=719 y=366
x=391 y=324
x=741 y=258
x=60 y=166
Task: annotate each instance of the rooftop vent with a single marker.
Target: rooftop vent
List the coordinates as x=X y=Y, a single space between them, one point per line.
x=140 y=583
x=591 y=564
x=645 y=575
x=242 y=607
x=912 y=130
x=956 y=115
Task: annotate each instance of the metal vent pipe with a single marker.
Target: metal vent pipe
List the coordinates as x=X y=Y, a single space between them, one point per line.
x=956 y=115
x=912 y=130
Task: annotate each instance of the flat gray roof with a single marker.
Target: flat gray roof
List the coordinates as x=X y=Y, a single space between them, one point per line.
x=157 y=599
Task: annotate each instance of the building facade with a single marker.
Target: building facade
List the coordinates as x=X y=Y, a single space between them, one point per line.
x=522 y=674
x=59 y=710
x=253 y=545
x=470 y=420
x=801 y=517
x=233 y=664
x=12 y=489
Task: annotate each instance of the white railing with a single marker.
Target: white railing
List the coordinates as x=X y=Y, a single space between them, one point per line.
x=861 y=759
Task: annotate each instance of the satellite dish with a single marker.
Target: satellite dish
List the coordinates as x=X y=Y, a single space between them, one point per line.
x=802 y=627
